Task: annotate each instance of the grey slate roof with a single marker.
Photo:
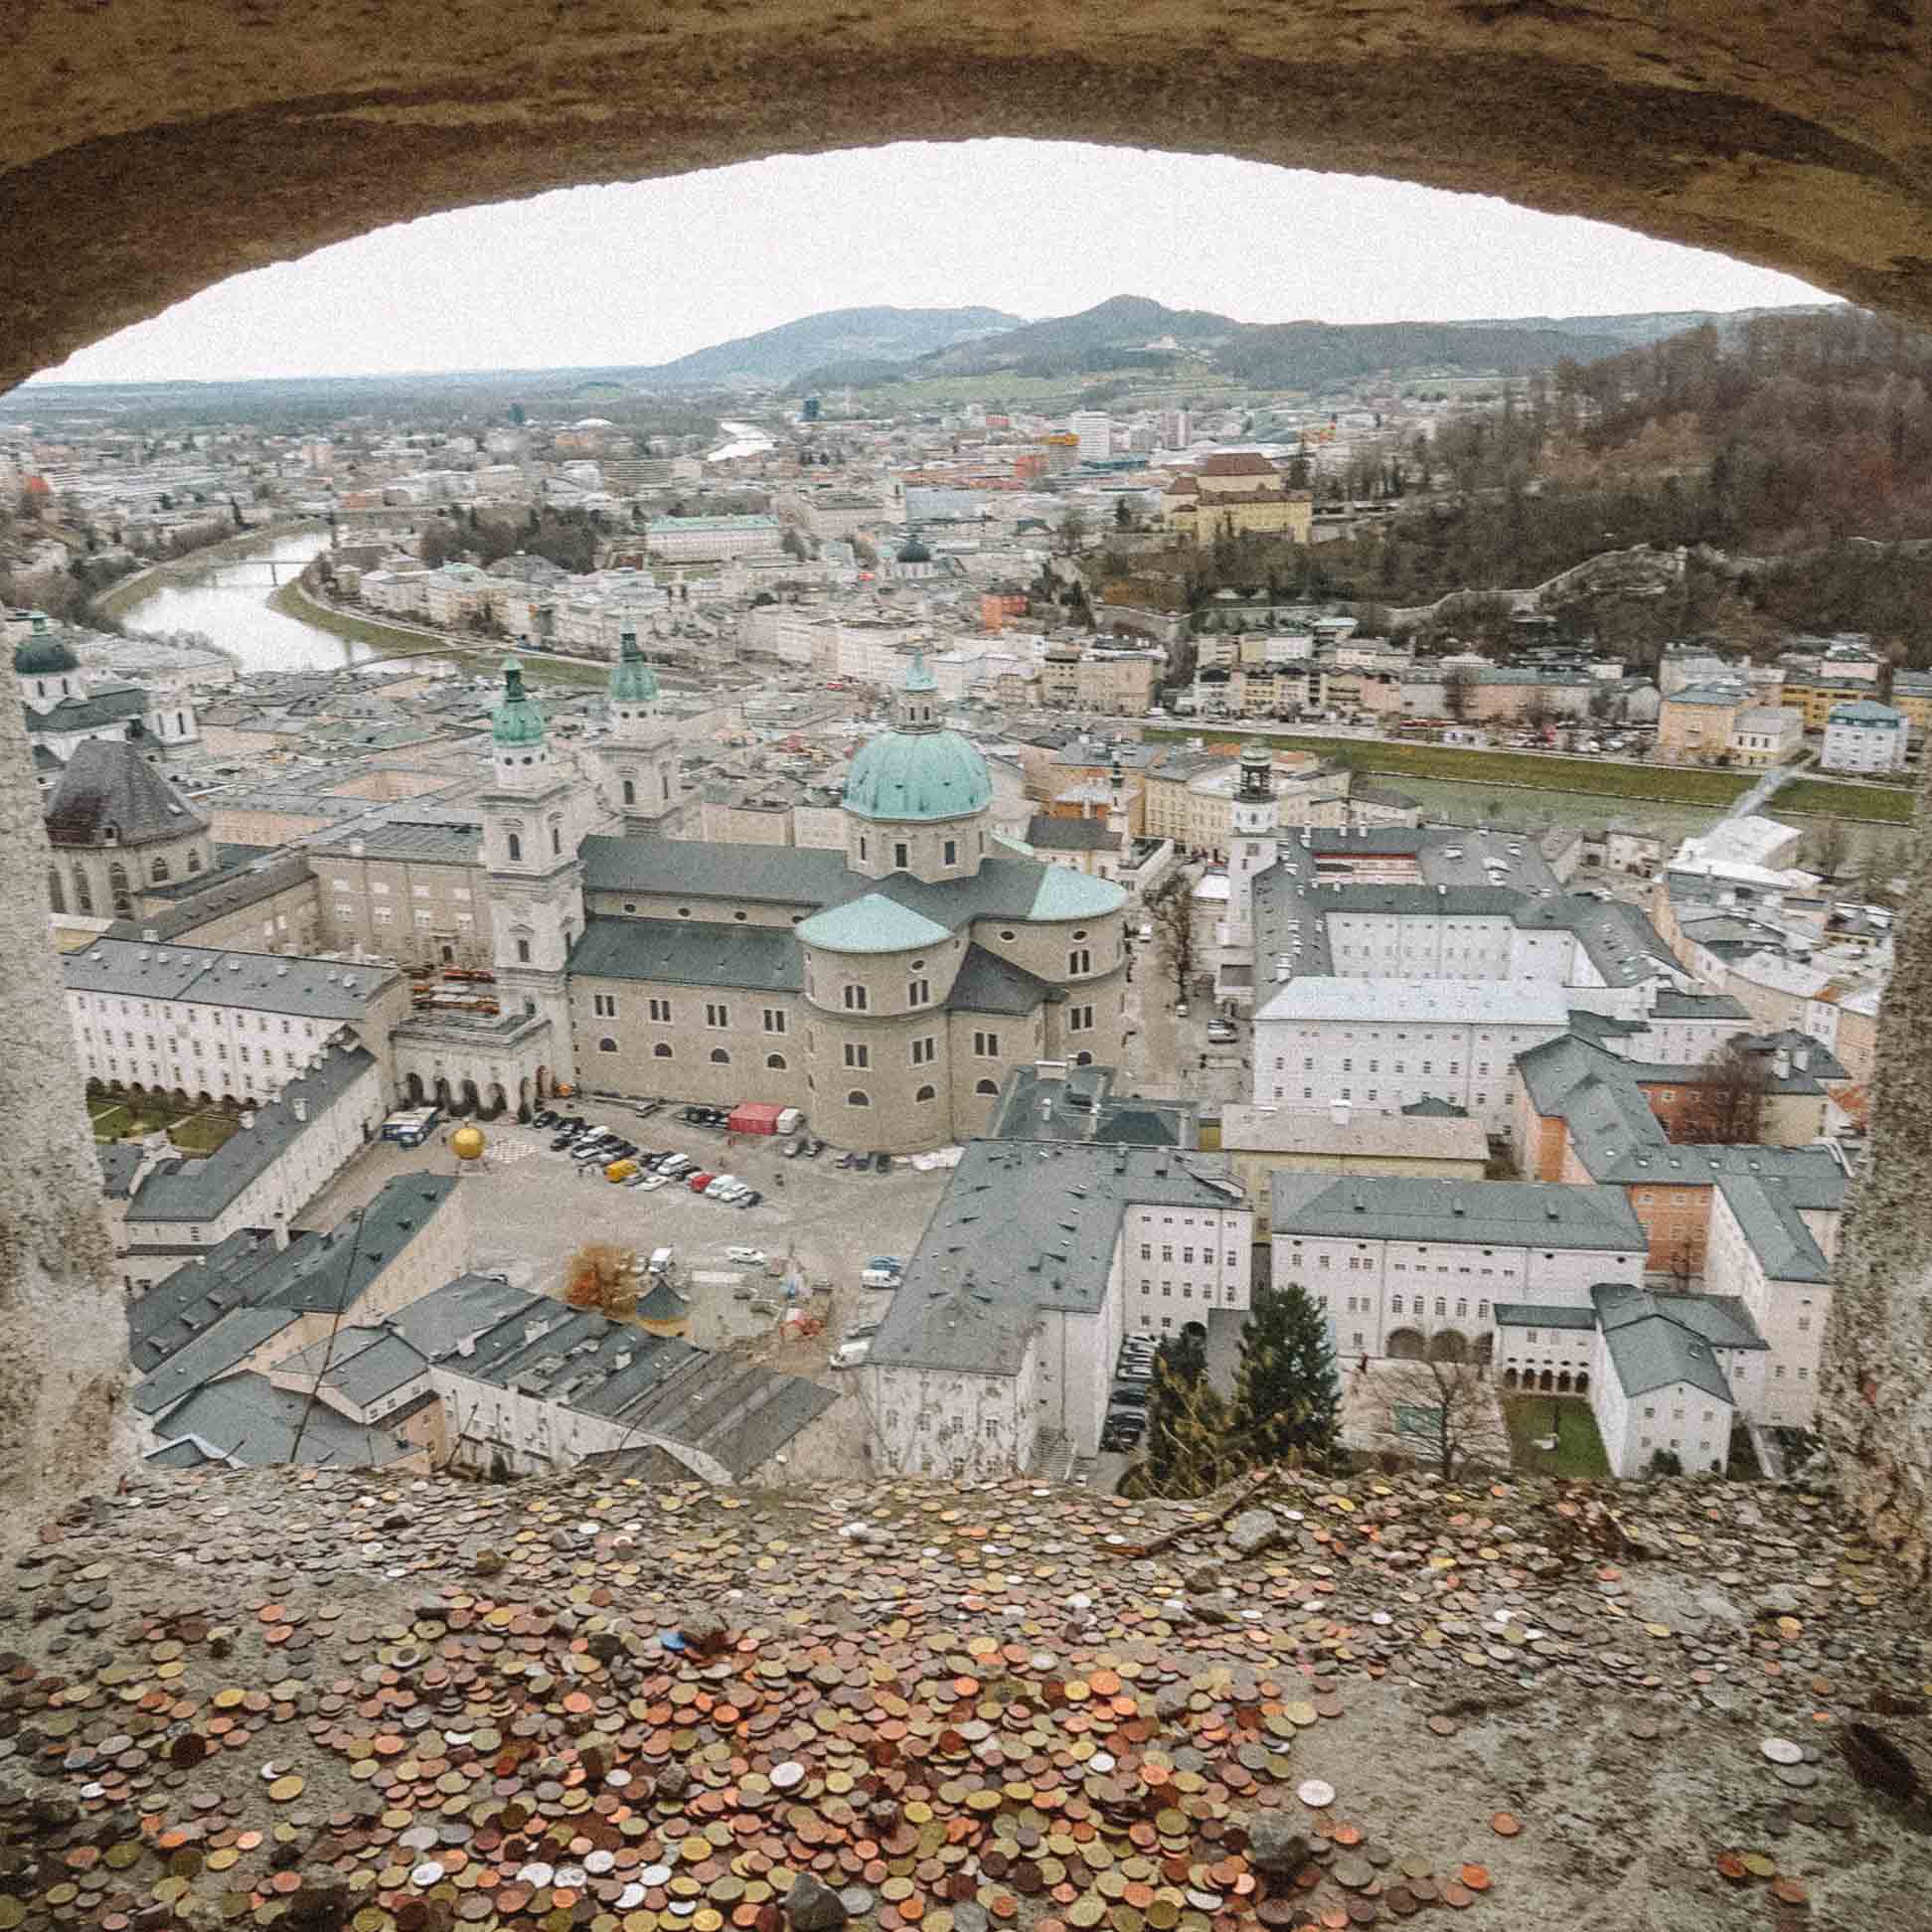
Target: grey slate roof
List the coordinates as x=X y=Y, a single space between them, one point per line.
x=1669 y=1003
x=200 y=1188
x=1082 y=1106
x=333 y=1273
x=109 y=787
x=302 y=987
x=1783 y=1245
x=1543 y=1315
x=986 y=983
x=1655 y=1341
x=1488 y=1214
x=1070 y=834
x=759 y=958
x=362 y=1364
x=250 y=1425
x=1026 y=1226
x=188 y=1302
x=208 y=897
x=232 y=1338
x=114 y=705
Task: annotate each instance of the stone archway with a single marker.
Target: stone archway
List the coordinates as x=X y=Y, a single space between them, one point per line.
x=1793 y=137
x=1404 y=1345
x=1447 y=1345
x=414 y=1088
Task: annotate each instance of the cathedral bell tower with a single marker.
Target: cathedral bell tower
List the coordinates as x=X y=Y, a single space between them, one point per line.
x=1254 y=818
x=640 y=755
x=530 y=852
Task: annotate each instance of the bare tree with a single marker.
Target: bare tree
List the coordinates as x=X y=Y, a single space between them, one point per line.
x=1173 y=927
x=1826 y=846
x=1727 y=1104
x=1447 y=1411
x=1072 y=533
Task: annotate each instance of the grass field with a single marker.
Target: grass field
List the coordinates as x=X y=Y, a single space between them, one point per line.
x=195 y=1130
x=1579 y=1449
x=1669 y=784
x=1875 y=804
x=394 y=642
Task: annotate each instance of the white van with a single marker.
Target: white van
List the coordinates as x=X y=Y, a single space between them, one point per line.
x=660 y=1262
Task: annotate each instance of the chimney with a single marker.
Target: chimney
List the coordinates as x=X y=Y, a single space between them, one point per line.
x=356 y=848
x=150 y=933
x=301 y=1109
x=247 y=1119
x=1781 y=1063
x=1801 y=1060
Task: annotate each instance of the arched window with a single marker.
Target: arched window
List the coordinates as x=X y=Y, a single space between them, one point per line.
x=987 y=1086
x=194 y=862
x=775 y=1063
x=660 y=1051
x=118 y=889
x=83 y=892
x=720 y=1057
x=158 y=871
x=1082 y=1059
x=55 y=897
x=557 y=840
x=516 y=847
x=181 y=722
x=630 y=792
x=607 y=1045
x=926 y=1093
x=857 y=1097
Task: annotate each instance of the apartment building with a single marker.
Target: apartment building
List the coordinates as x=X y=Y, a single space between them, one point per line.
x=1865 y=738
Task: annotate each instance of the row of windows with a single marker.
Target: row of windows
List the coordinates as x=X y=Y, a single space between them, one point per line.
x=1187 y=1253
x=119 y=887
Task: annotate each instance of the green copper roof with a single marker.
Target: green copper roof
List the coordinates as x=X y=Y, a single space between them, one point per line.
x=902 y=776
x=517 y=720
x=633 y=682
x=920 y=678
x=43 y=655
x=872 y=924
x=1068 y=895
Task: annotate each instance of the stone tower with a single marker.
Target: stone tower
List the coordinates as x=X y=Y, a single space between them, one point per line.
x=1252 y=846
x=640 y=755
x=530 y=850
x=172 y=735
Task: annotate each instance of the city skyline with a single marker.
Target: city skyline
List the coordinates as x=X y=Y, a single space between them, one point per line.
x=590 y=275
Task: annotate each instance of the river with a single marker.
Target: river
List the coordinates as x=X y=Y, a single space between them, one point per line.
x=230 y=605
x=748 y=439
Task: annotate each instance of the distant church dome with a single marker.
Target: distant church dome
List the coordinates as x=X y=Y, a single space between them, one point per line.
x=912 y=550
x=917 y=770
x=517 y=719
x=43 y=655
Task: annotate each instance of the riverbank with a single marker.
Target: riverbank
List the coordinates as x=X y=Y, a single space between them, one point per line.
x=407 y=640
x=1676 y=787
x=115 y=600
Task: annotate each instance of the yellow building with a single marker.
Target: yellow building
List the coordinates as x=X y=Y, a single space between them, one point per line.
x=1263 y=1141
x=1814 y=696
x=1695 y=723
x=1236 y=494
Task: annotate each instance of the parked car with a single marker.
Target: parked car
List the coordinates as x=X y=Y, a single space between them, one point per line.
x=813 y=1149
x=849 y=1160
x=747 y=1257
x=881 y=1163
x=895 y=1262
x=1128 y=1395
x=1222 y=1033
x=849 y=1355
x=749 y=1198
x=878 y=1277
x=542 y=1117
x=726 y=1187
x=700 y=1181
x=793 y=1148
x=648 y=1183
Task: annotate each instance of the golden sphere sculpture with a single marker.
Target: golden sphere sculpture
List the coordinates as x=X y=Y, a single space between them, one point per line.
x=468 y=1143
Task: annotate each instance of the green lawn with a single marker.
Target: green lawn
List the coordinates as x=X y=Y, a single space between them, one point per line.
x=1579 y=1449
x=1878 y=804
x=1672 y=784
x=203 y=1133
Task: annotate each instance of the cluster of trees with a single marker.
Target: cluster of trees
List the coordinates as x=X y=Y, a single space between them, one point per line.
x=567 y=538
x=1286 y=1405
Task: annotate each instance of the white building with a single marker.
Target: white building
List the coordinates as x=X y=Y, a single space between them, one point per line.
x=1041 y=1256
x=1381 y=1044
x=1403 y=1267
x=1094 y=428
x=705 y=539
x=205 y=1021
x=1864 y=735
x=1764 y=1252
x=1664 y=1378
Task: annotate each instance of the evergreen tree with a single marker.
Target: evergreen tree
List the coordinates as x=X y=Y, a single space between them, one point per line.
x=1287 y=1396
x=1190 y=1443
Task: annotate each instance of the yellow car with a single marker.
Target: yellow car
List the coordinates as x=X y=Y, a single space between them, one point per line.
x=619 y=1170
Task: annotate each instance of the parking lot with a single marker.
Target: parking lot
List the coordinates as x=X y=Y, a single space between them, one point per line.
x=530 y=1208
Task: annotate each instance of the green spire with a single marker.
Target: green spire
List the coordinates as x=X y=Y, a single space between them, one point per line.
x=633 y=681
x=920 y=678
x=517 y=719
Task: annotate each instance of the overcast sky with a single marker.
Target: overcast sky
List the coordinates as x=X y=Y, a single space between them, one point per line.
x=644 y=272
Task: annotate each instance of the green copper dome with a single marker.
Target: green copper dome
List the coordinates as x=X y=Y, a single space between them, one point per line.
x=906 y=776
x=43 y=656
x=517 y=720
x=633 y=682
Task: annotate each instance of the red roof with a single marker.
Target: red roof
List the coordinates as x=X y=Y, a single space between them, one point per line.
x=1237 y=463
x=37 y=486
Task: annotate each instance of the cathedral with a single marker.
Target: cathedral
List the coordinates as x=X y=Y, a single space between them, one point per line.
x=886 y=989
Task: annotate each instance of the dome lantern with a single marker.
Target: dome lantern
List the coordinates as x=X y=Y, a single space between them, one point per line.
x=518 y=720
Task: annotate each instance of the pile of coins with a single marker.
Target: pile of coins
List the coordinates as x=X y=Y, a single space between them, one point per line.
x=333 y=1701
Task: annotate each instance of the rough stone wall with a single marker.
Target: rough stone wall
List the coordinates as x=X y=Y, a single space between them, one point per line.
x=63 y=1329
x=154 y=146
x=1875 y=1383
